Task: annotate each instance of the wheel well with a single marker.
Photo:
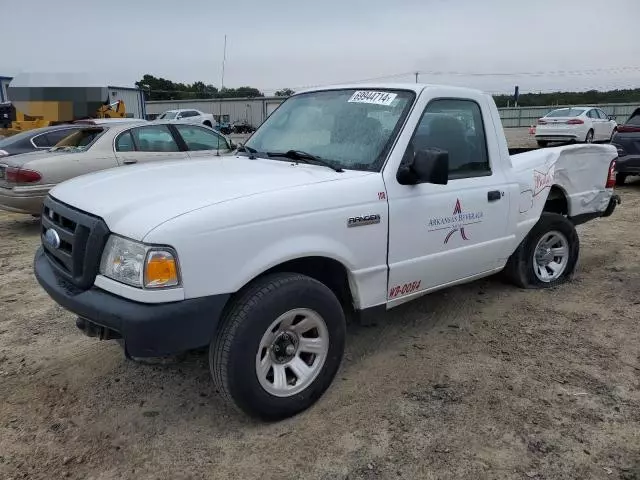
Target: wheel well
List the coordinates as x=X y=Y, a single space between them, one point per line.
x=207 y=123
x=556 y=201
x=325 y=270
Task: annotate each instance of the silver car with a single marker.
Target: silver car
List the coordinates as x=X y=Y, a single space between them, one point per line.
x=25 y=179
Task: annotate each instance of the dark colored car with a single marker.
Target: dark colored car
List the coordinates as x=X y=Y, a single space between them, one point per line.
x=627 y=141
x=36 y=139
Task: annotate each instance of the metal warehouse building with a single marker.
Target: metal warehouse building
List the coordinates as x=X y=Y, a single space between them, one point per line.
x=133 y=98
x=4 y=85
x=252 y=110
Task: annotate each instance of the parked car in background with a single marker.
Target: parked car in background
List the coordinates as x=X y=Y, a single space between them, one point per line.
x=242 y=127
x=26 y=179
x=34 y=140
x=575 y=124
x=627 y=141
x=188 y=116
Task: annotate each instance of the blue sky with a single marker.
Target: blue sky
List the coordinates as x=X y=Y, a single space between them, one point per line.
x=280 y=43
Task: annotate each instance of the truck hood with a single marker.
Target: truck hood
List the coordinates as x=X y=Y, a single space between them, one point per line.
x=135 y=199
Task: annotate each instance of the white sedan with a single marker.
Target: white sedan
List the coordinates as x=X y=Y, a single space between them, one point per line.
x=575 y=124
x=188 y=116
x=25 y=179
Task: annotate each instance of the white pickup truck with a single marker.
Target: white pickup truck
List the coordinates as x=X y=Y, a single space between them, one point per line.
x=347 y=200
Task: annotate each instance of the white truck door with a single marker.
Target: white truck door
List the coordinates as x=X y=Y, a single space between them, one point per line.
x=440 y=234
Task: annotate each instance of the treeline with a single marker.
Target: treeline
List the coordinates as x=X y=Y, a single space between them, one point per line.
x=163 y=89
x=591 y=97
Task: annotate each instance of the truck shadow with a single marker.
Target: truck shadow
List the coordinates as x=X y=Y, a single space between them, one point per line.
x=186 y=379
x=19 y=224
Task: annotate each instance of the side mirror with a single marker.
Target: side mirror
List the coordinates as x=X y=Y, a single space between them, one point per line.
x=612 y=117
x=430 y=165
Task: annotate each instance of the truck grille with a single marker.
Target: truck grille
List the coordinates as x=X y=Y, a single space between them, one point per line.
x=73 y=242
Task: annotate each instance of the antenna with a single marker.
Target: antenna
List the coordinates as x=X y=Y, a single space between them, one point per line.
x=224 y=59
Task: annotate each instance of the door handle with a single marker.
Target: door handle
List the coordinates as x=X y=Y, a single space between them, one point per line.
x=129 y=161
x=494 y=195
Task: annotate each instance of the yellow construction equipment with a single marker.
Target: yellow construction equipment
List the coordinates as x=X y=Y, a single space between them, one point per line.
x=55 y=113
x=41 y=100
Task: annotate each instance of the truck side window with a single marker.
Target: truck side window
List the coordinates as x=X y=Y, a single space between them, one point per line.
x=456 y=126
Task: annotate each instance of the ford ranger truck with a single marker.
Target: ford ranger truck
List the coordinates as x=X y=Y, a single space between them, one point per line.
x=347 y=200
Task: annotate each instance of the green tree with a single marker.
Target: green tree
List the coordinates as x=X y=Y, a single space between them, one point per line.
x=285 y=92
x=591 y=97
x=163 y=89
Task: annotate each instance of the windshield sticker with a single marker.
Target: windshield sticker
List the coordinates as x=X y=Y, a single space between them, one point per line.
x=376 y=98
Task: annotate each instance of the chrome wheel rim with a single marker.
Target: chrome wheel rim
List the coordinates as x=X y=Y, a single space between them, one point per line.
x=292 y=352
x=551 y=256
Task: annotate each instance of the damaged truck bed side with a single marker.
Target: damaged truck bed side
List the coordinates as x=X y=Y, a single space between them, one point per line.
x=349 y=199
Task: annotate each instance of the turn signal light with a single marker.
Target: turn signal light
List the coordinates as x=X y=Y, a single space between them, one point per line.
x=160 y=270
x=21 y=175
x=611 y=178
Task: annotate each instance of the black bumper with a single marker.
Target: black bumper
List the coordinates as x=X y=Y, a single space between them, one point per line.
x=148 y=329
x=629 y=164
x=587 y=217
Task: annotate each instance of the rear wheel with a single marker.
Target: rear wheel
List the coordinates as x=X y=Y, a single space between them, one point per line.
x=589 y=137
x=547 y=256
x=279 y=346
x=542 y=143
x=207 y=123
x=620 y=179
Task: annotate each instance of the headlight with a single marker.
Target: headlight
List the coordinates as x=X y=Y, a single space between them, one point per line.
x=139 y=265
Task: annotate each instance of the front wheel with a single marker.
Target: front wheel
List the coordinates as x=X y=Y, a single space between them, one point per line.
x=279 y=346
x=547 y=256
x=589 y=137
x=542 y=143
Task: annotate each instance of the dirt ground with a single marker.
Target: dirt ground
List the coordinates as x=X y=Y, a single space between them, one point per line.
x=482 y=381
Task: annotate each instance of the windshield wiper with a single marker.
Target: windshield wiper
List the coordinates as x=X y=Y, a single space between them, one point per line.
x=249 y=150
x=305 y=157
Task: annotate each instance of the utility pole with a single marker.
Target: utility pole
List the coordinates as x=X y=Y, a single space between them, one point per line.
x=224 y=59
x=417 y=73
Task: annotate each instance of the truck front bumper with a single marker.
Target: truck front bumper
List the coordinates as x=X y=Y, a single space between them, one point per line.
x=146 y=329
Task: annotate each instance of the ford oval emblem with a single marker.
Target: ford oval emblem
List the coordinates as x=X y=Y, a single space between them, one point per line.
x=52 y=238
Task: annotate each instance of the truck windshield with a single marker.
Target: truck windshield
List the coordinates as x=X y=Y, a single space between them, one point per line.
x=350 y=129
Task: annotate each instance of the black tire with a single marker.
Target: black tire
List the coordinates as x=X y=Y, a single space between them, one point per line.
x=232 y=354
x=520 y=267
x=542 y=143
x=207 y=123
x=589 y=137
x=620 y=179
